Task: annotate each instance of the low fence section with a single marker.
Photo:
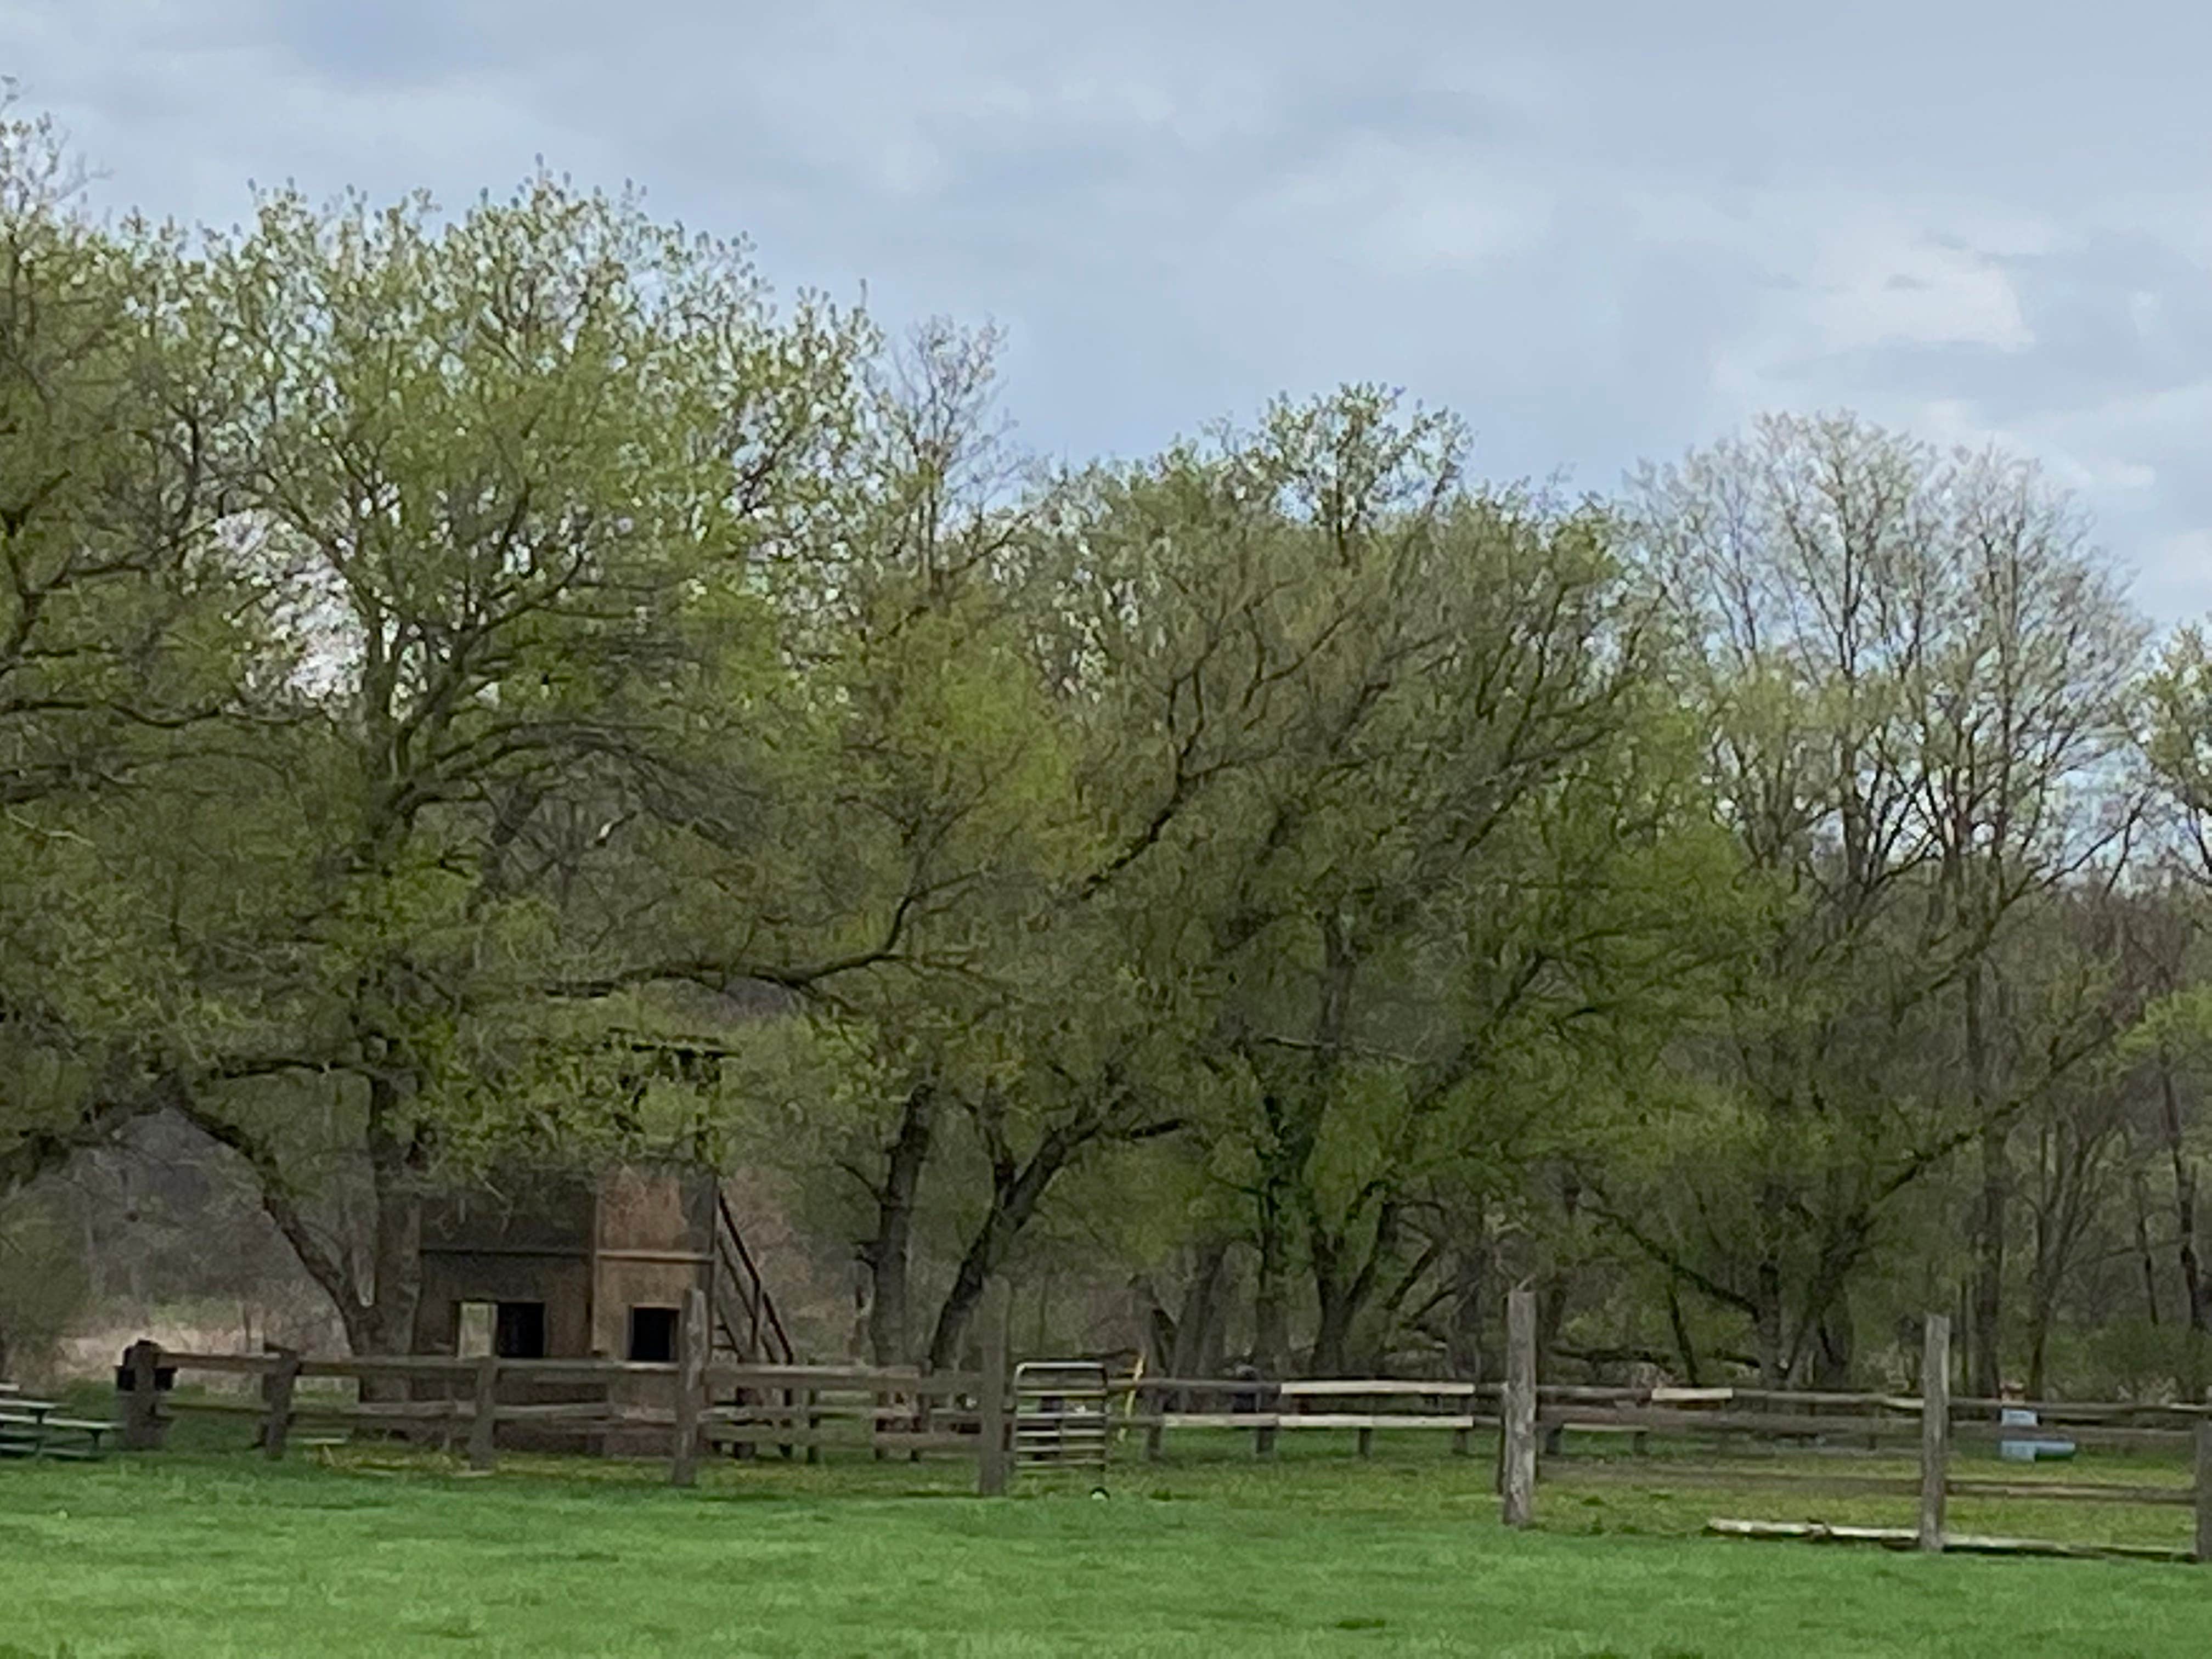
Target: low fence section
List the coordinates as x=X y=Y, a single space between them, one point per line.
x=696 y=1402
x=1932 y=1424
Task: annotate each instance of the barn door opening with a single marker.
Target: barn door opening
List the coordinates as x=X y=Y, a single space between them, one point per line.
x=518 y=1331
x=653 y=1334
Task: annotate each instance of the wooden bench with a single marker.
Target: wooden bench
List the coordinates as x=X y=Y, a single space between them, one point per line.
x=34 y=1428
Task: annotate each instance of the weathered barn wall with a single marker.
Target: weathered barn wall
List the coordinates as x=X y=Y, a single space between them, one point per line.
x=532 y=1245
x=655 y=1241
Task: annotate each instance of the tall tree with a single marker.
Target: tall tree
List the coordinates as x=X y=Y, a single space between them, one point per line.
x=1916 y=671
x=524 y=464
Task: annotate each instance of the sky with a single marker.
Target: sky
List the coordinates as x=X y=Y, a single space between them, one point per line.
x=1599 y=232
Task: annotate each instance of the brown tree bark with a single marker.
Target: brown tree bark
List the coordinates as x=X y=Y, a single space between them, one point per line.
x=1017 y=1190
x=376 y=1310
x=1196 y=1351
x=1984 y=1332
x=2184 y=1201
x=888 y=1252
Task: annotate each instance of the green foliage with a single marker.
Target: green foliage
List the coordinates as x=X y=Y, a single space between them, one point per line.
x=43 y=1284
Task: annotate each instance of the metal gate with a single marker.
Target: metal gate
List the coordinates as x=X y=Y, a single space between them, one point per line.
x=1060 y=1418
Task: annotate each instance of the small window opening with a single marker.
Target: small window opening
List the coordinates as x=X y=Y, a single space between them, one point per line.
x=653 y=1334
x=520 y=1332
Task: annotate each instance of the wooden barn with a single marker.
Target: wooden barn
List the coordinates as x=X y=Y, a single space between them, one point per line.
x=569 y=1267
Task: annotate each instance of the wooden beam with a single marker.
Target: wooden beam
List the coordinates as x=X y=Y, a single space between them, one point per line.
x=994 y=1450
x=143 y=1429
x=1934 y=1429
x=1520 y=1471
x=2202 y=1551
x=693 y=1337
x=483 y=1453
x=276 y=1421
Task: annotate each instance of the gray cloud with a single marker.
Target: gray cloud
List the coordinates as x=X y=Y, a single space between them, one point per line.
x=1601 y=231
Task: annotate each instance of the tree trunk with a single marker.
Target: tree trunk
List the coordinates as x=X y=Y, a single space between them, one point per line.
x=2184 y=1221
x=1271 y=1325
x=378 y=1312
x=1016 y=1193
x=1680 y=1326
x=1292 y=1120
x=1767 y=1328
x=1464 y=1331
x=1196 y=1349
x=396 y=1165
x=1984 y=1329
x=889 y=1253
x=1343 y=1296
x=2142 y=1246
x=1332 y=1304
x=1835 y=1346
x=2039 y=1338
x=1985 y=1333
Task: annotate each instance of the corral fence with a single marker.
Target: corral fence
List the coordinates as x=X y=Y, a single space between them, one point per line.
x=700 y=1403
x=1537 y=1418
x=685 y=1407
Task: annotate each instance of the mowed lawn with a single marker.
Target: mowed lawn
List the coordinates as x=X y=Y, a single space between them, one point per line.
x=376 y=1553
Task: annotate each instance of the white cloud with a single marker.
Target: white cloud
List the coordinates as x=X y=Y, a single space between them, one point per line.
x=1599 y=234
x=1402 y=210
x=1884 y=283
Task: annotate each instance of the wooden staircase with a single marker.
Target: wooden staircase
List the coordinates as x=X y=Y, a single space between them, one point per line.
x=745 y=1326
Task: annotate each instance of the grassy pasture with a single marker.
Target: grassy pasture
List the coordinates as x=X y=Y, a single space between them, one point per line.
x=378 y=1551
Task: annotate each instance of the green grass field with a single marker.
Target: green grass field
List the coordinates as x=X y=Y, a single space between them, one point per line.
x=375 y=1551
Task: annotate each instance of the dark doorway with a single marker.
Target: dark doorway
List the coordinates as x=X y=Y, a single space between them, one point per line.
x=519 y=1331
x=653 y=1334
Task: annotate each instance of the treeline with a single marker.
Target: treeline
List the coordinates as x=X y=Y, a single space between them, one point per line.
x=485 y=690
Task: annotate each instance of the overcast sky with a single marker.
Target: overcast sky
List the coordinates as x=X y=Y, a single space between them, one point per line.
x=1599 y=231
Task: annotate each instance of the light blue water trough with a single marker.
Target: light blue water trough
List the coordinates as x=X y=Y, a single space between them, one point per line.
x=2025 y=1450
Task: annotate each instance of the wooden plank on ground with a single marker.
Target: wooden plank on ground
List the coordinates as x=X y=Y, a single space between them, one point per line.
x=1966 y=1543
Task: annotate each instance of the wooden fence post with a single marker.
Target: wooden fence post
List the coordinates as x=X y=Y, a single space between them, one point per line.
x=1934 y=1429
x=691 y=1339
x=2203 y=1550
x=143 y=1429
x=922 y=1424
x=1520 y=1414
x=276 y=1385
x=482 y=1451
x=993 y=1455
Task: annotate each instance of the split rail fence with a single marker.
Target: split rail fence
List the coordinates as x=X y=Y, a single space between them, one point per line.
x=1537 y=1418
x=700 y=1403
x=690 y=1405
